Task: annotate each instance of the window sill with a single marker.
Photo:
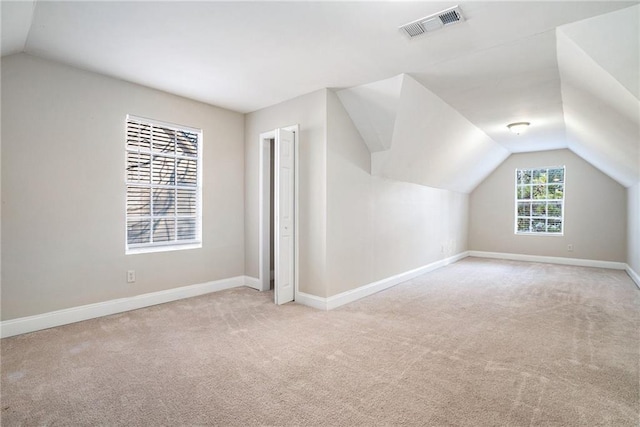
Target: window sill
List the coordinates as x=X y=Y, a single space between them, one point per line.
x=540 y=234
x=153 y=249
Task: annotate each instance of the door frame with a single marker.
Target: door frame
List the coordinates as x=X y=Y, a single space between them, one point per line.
x=264 y=189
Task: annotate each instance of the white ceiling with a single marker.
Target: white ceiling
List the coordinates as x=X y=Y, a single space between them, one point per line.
x=613 y=42
x=577 y=85
x=16 y=21
x=497 y=67
x=524 y=87
x=249 y=55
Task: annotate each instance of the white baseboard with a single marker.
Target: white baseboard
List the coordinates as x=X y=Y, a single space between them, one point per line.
x=372 y=288
x=634 y=276
x=252 y=282
x=38 y=322
x=550 y=260
x=311 y=301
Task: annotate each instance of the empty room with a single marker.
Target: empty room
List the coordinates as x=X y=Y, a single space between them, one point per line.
x=320 y=213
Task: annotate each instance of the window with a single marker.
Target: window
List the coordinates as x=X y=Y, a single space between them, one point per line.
x=163 y=186
x=540 y=200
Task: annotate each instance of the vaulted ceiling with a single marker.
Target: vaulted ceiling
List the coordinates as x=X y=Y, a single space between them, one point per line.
x=444 y=98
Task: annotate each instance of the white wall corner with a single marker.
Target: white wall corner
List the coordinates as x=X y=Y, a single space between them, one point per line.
x=550 y=260
x=66 y=316
x=634 y=276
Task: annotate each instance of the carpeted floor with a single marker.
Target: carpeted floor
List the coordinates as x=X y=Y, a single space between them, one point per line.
x=477 y=343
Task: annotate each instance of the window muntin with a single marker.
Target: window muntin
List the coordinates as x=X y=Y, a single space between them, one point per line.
x=163 y=182
x=540 y=201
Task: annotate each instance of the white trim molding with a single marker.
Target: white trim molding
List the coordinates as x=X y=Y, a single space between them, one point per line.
x=51 y=319
x=372 y=288
x=634 y=275
x=252 y=282
x=550 y=260
x=311 y=300
x=369 y=289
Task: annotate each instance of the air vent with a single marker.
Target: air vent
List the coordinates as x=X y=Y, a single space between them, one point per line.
x=433 y=22
x=450 y=17
x=414 y=29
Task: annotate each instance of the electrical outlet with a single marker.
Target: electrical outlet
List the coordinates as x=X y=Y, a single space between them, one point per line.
x=442 y=249
x=131 y=276
x=569 y=247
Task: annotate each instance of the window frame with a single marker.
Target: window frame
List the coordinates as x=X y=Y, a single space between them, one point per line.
x=546 y=200
x=172 y=245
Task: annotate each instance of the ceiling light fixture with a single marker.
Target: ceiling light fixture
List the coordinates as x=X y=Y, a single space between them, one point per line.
x=518 y=127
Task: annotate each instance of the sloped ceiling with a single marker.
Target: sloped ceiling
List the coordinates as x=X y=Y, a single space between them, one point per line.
x=577 y=85
x=373 y=108
x=506 y=62
x=16 y=22
x=612 y=41
x=600 y=92
x=514 y=82
x=435 y=145
x=249 y=55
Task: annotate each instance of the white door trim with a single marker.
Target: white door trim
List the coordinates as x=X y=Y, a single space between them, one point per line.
x=264 y=213
x=264 y=177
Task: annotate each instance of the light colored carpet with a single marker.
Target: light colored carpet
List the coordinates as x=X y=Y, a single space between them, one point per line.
x=480 y=342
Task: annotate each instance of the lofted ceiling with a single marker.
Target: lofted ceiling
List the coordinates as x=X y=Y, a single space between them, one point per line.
x=513 y=82
x=555 y=64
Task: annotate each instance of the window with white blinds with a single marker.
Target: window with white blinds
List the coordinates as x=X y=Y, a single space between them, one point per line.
x=540 y=201
x=163 y=186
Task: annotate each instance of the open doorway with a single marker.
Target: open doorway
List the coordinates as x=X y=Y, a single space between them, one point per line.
x=278 y=213
x=272 y=157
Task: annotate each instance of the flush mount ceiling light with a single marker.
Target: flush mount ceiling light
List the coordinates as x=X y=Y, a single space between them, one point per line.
x=518 y=127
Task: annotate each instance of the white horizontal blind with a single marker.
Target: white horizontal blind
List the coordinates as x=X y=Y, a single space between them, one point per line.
x=540 y=200
x=163 y=184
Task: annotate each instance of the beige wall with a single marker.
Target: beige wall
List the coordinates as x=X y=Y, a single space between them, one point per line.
x=308 y=111
x=63 y=221
x=354 y=228
x=595 y=211
x=377 y=227
x=633 y=244
x=63 y=193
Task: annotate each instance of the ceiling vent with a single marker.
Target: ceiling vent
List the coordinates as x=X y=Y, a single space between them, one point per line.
x=434 y=22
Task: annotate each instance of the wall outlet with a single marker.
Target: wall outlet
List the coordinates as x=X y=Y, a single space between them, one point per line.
x=570 y=247
x=131 y=276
